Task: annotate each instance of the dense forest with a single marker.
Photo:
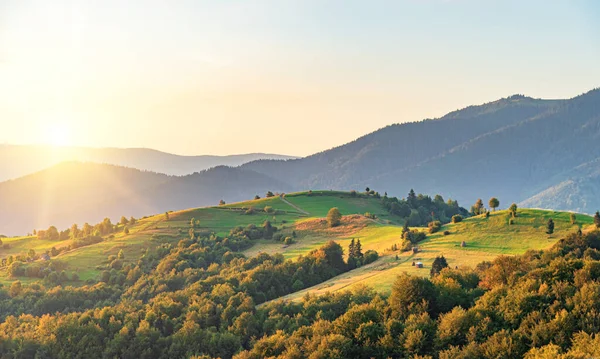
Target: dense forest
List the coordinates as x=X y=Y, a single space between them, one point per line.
x=201 y=298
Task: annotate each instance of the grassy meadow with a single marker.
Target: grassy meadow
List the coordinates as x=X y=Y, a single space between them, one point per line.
x=303 y=213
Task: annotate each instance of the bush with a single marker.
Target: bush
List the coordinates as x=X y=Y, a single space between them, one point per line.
x=249 y=211
x=288 y=241
x=405 y=245
x=434 y=226
x=334 y=217
x=457 y=218
x=511 y=221
x=446 y=233
x=278 y=237
x=370 y=215
x=269 y=209
x=370 y=256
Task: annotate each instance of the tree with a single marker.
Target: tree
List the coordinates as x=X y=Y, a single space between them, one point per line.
x=256 y=197
x=412 y=198
x=351 y=248
x=123 y=220
x=126 y=230
x=121 y=255
x=334 y=217
x=74 y=231
x=131 y=220
x=438 y=264
x=494 y=203
x=513 y=210
x=477 y=208
x=573 y=218
x=597 y=219
x=221 y=202
x=167 y=216
x=550 y=226
x=52 y=233
x=270 y=194
x=358 y=249
x=405 y=229
x=457 y=218
x=367 y=190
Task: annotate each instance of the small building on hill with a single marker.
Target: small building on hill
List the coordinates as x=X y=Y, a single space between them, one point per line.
x=419 y=265
x=463 y=244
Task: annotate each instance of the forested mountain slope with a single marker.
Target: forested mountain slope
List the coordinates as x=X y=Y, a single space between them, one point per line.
x=513 y=148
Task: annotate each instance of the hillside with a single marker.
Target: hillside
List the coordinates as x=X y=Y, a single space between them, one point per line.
x=361 y=162
x=302 y=214
x=540 y=153
x=20 y=160
x=215 y=275
x=86 y=192
x=513 y=148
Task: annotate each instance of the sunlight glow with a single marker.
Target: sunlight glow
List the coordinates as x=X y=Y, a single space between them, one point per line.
x=59 y=134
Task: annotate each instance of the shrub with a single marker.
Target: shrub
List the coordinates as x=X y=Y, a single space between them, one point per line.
x=288 y=241
x=434 y=226
x=457 y=218
x=269 y=209
x=511 y=221
x=370 y=215
x=334 y=217
x=446 y=233
x=249 y=211
x=370 y=256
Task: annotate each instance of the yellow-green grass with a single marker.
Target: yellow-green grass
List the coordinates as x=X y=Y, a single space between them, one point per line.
x=485 y=239
x=20 y=245
x=318 y=203
x=259 y=204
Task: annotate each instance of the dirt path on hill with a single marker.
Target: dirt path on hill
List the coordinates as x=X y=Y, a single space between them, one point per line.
x=294 y=206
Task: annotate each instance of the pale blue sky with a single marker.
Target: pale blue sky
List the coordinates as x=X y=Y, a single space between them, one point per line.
x=295 y=77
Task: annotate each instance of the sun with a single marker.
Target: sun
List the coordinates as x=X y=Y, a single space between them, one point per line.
x=59 y=134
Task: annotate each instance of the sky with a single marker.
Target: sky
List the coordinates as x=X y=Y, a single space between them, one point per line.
x=281 y=76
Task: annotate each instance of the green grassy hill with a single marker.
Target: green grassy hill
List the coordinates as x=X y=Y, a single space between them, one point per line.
x=485 y=239
x=302 y=214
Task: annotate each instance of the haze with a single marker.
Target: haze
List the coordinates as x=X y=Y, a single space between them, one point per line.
x=223 y=77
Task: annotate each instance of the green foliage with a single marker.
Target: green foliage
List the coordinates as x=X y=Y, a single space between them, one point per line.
x=478 y=208
x=550 y=226
x=597 y=219
x=439 y=263
x=494 y=203
x=434 y=226
x=334 y=217
x=513 y=210
x=457 y=218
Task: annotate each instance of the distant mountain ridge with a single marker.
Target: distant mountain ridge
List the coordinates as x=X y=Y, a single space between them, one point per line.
x=74 y=192
x=20 y=160
x=538 y=153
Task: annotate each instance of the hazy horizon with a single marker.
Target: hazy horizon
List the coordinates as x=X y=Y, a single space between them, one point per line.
x=231 y=77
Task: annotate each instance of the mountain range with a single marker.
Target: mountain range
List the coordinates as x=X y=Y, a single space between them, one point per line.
x=20 y=160
x=538 y=153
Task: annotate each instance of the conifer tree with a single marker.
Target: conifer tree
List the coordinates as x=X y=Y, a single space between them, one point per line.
x=358 y=249
x=550 y=226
